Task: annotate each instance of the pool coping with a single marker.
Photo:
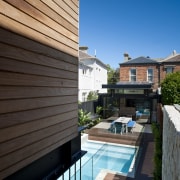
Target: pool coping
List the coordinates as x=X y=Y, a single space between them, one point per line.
x=102 y=174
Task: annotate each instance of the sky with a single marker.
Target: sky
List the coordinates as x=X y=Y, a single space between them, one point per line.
x=110 y=28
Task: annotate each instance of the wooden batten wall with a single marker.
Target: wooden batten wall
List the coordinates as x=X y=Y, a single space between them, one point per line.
x=38 y=79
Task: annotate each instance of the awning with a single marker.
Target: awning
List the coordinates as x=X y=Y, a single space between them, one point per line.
x=129 y=85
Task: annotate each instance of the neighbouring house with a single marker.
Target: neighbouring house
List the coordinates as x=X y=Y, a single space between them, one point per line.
x=136 y=89
x=169 y=65
x=137 y=92
x=92 y=74
x=39 y=136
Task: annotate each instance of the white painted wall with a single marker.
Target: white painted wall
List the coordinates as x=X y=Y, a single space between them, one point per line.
x=92 y=80
x=171 y=144
x=85 y=81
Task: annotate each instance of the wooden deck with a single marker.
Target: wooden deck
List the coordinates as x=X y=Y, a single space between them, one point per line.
x=100 y=132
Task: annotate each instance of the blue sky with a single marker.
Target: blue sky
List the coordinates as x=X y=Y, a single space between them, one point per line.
x=138 y=27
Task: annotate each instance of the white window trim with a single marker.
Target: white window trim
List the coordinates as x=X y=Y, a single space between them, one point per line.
x=132 y=75
x=148 y=75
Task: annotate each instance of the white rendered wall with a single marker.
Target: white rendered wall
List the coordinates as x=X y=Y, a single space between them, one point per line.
x=171 y=144
x=94 y=80
x=85 y=82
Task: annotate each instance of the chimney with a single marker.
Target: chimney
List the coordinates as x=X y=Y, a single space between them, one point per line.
x=83 y=49
x=126 y=57
x=174 y=52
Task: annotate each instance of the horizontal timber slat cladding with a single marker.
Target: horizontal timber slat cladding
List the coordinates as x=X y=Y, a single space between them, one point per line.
x=20 y=22
x=73 y=4
x=35 y=156
x=30 y=45
x=25 y=104
x=23 y=137
x=22 y=129
x=21 y=54
x=13 y=92
x=41 y=17
x=68 y=8
x=38 y=79
x=17 y=79
x=64 y=13
x=28 y=68
x=54 y=15
x=15 y=118
x=74 y=1
x=38 y=144
x=33 y=34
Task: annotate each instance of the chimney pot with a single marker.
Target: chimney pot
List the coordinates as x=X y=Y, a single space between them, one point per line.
x=126 y=57
x=83 y=48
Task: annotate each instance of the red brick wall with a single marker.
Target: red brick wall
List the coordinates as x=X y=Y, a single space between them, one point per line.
x=163 y=71
x=141 y=73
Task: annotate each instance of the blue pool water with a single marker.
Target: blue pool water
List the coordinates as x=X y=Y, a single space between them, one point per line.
x=103 y=157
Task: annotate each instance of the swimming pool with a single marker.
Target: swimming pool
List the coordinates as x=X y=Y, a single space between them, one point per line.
x=102 y=158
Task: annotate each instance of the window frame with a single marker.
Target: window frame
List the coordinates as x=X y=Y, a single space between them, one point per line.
x=132 y=76
x=150 y=77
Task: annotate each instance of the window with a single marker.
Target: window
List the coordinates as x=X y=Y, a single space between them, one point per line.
x=169 y=70
x=133 y=74
x=84 y=96
x=150 y=75
x=84 y=71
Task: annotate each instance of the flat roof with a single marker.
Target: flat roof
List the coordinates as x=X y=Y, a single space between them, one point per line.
x=128 y=85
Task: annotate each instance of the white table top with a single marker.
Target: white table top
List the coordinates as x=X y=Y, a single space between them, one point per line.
x=123 y=120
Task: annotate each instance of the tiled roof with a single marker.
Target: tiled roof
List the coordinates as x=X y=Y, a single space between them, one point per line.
x=84 y=65
x=175 y=58
x=83 y=55
x=140 y=60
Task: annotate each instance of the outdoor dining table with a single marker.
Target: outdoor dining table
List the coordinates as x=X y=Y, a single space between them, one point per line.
x=123 y=120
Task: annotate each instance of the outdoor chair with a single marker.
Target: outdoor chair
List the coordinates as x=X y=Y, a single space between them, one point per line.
x=131 y=125
x=119 y=128
x=112 y=128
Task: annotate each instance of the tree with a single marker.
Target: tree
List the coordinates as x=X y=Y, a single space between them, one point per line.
x=170 y=89
x=93 y=95
x=113 y=75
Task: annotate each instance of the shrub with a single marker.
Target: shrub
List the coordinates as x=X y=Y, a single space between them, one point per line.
x=158 y=152
x=170 y=89
x=99 y=110
x=93 y=95
x=83 y=117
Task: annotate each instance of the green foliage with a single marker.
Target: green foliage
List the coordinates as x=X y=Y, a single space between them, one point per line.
x=158 y=151
x=83 y=117
x=93 y=95
x=99 y=110
x=94 y=122
x=170 y=89
x=113 y=75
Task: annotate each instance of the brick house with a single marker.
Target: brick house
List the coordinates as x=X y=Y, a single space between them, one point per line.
x=169 y=65
x=140 y=80
x=141 y=70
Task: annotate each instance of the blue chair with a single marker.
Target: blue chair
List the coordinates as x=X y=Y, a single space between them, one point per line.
x=131 y=125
